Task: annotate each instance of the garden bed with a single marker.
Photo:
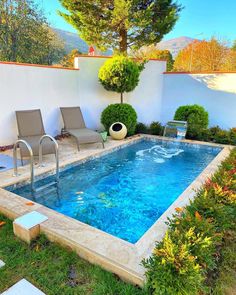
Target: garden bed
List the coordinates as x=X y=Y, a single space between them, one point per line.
x=197 y=255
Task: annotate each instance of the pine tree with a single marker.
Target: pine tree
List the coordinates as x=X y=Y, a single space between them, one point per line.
x=121 y=24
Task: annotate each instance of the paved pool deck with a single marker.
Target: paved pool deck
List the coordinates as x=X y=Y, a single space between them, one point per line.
x=94 y=245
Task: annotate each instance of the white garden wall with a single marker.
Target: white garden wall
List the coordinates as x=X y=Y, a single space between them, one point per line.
x=155 y=99
x=146 y=98
x=216 y=92
x=28 y=87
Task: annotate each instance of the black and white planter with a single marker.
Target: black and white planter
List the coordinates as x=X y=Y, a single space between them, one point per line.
x=118 y=131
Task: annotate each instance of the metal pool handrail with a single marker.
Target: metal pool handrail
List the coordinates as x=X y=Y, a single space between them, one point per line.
x=31 y=160
x=56 y=153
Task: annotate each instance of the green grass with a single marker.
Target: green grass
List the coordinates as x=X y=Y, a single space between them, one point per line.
x=225 y=283
x=54 y=269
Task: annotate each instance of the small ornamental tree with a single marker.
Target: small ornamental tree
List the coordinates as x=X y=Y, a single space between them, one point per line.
x=149 y=52
x=120 y=74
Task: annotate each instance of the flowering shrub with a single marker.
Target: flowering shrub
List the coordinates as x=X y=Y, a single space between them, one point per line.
x=191 y=250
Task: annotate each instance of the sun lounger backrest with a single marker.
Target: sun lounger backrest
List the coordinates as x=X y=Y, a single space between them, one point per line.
x=73 y=118
x=30 y=123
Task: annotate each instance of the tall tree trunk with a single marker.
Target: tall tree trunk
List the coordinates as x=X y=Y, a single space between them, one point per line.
x=14 y=46
x=121 y=98
x=123 y=40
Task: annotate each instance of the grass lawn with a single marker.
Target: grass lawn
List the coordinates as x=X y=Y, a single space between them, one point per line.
x=53 y=269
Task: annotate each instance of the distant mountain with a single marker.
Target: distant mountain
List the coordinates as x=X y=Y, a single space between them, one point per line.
x=73 y=41
x=175 y=45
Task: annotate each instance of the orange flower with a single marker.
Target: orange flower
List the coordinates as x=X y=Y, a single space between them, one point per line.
x=192 y=258
x=2 y=223
x=178 y=209
x=29 y=204
x=198 y=216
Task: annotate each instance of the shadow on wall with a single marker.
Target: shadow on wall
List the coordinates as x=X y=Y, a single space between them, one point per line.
x=215 y=92
x=220 y=82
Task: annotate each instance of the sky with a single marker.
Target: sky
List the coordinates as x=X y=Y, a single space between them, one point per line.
x=199 y=19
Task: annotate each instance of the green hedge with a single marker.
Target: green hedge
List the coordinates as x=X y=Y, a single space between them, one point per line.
x=155 y=128
x=123 y=113
x=189 y=257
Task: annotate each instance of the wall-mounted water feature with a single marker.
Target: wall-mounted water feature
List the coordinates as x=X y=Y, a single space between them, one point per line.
x=176 y=129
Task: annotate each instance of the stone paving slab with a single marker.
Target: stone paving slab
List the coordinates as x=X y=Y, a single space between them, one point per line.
x=1 y=263
x=23 y=287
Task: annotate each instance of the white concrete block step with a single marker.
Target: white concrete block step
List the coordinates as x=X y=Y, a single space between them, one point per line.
x=23 y=287
x=1 y=263
x=30 y=220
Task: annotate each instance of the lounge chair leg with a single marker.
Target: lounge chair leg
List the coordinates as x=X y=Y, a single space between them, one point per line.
x=103 y=145
x=78 y=146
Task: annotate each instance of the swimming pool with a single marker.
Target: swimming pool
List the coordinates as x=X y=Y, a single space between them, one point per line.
x=123 y=193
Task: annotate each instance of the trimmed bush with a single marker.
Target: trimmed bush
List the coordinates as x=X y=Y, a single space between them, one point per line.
x=156 y=128
x=189 y=258
x=141 y=128
x=123 y=113
x=197 y=118
x=120 y=74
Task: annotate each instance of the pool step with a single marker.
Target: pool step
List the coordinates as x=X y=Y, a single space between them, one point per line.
x=44 y=187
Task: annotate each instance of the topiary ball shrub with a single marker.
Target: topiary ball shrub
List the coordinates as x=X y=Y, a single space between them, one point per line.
x=141 y=128
x=197 y=118
x=120 y=74
x=123 y=113
x=156 y=128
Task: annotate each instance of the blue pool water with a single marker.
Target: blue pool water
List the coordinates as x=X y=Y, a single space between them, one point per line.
x=125 y=192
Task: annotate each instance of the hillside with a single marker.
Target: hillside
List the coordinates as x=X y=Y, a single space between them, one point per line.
x=175 y=45
x=73 y=41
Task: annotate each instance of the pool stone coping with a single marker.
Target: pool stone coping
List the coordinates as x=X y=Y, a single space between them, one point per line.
x=94 y=245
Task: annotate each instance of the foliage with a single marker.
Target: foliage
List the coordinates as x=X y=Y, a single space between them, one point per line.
x=123 y=113
x=232 y=136
x=68 y=60
x=156 y=128
x=141 y=128
x=54 y=269
x=218 y=135
x=225 y=280
x=214 y=134
x=188 y=259
x=212 y=55
x=25 y=35
x=120 y=74
x=121 y=24
x=152 y=52
x=197 y=119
